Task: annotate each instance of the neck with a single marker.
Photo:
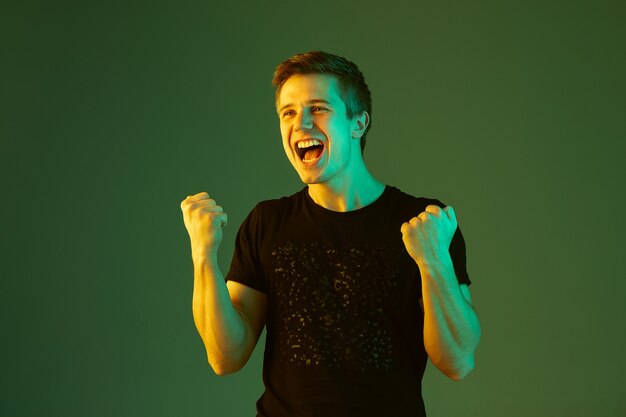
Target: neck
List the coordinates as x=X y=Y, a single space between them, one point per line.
x=347 y=193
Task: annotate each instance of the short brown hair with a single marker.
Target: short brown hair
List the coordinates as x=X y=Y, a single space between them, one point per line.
x=352 y=87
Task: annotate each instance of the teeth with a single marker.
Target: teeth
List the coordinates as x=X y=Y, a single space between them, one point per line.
x=308 y=143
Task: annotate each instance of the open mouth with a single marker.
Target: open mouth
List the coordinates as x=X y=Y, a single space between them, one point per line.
x=309 y=150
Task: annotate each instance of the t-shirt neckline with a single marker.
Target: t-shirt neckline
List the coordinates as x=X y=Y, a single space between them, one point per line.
x=324 y=211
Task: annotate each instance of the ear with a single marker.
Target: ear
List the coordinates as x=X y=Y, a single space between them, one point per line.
x=359 y=124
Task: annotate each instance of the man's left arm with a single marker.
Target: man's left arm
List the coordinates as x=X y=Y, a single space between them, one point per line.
x=451 y=326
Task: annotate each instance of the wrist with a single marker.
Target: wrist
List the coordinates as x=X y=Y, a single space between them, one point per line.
x=204 y=256
x=434 y=261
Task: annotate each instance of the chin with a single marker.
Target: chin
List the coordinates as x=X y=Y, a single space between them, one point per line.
x=309 y=180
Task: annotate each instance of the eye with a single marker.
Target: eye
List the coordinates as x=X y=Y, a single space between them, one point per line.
x=288 y=113
x=318 y=108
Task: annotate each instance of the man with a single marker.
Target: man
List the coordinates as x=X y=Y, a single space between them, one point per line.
x=356 y=282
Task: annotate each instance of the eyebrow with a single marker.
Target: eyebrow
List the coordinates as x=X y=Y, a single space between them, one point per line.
x=315 y=100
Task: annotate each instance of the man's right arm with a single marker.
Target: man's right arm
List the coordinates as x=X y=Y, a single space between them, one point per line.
x=229 y=318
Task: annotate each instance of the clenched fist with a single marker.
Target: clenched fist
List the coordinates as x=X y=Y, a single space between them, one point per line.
x=427 y=236
x=204 y=221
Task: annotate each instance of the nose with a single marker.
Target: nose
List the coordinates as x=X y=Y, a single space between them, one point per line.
x=303 y=121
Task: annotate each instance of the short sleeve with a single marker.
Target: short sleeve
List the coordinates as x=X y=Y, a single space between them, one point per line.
x=457 y=253
x=245 y=266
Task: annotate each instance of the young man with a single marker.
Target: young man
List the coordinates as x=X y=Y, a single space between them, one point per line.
x=356 y=282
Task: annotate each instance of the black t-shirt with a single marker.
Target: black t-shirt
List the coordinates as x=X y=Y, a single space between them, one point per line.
x=344 y=324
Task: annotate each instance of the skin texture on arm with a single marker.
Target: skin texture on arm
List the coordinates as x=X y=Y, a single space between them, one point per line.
x=451 y=326
x=229 y=318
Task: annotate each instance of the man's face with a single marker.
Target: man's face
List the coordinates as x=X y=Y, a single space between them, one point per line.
x=317 y=135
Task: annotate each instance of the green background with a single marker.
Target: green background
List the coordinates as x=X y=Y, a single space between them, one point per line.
x=113 y=112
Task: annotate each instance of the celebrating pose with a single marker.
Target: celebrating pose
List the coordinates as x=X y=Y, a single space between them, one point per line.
x=356 y=282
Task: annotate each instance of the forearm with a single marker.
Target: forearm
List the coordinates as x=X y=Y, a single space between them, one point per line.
x=451 y=326
x=223 y=330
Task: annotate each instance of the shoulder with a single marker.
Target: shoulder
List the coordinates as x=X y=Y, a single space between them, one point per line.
x=278 y=205
x=272 y=210
x=411 y=202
